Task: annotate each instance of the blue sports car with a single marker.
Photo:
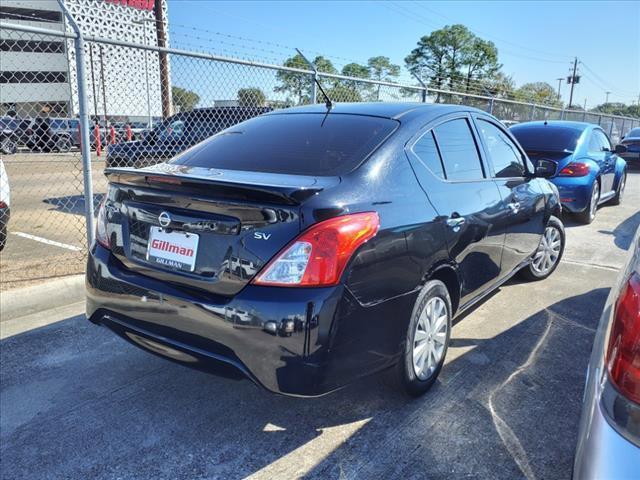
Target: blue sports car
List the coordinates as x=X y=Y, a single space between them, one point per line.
x=588 y=172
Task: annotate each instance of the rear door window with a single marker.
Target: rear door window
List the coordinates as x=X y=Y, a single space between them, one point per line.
x=458 y=150
x=300 y=144
x=427 y=152
x=506 y=158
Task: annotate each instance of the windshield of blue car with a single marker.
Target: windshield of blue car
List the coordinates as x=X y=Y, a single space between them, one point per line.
x=634 y=133
x=547 y=138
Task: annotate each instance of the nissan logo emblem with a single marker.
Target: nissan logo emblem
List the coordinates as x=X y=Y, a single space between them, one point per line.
x=164 y=219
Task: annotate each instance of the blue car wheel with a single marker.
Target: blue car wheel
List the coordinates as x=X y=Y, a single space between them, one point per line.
x=589 y=214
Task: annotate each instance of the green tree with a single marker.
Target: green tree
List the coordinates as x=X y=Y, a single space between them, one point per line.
x=455 y=57
x=480 y=62
x=298 y=85
x=251 y=97
x=381 y=69
x=292 y=83
x=500 y=86
x=617 y=108
x=183 y=99
x=537 y=92
x=343 y=92
x=352 y=90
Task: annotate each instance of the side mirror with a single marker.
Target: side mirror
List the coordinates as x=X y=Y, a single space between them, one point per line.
x=620 y=149
x=546 y=168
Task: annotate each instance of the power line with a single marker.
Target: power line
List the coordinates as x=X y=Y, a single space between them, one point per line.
x=489 y=35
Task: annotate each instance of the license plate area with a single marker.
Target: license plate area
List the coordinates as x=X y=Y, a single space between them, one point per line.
x=173 y=249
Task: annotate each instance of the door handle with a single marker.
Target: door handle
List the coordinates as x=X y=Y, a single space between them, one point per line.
x=455 y=223
x=514 y=206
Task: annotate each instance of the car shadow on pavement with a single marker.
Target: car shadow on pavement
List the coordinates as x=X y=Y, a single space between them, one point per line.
x=78 y=402
x=625 y=232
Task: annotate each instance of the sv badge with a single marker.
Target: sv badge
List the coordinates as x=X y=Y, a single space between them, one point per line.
x=261 y=236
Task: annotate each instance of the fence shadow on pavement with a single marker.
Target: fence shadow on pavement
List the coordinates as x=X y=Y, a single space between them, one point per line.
x=73 y=204
x=77 y=402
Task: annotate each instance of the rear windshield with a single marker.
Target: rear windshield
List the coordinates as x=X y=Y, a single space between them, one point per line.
x=634 y=133
x=546 y=138
x=299 y=144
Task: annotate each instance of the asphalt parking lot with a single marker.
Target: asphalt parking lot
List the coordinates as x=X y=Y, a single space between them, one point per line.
x=77 y=402
x=47 y=228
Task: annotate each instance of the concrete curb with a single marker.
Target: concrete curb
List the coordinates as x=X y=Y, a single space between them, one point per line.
x=57 y=293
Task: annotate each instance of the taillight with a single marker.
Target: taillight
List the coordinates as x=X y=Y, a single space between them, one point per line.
x=575 y=169
x=102 y=237
x=320 y=254
x=623 y=354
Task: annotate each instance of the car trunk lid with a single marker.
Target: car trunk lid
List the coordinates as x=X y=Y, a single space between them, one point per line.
x=204 y=228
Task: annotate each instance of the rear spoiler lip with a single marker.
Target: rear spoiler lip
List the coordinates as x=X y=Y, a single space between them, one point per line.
x=293 y=188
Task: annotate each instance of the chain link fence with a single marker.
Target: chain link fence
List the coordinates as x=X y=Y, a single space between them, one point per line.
x=145 y=104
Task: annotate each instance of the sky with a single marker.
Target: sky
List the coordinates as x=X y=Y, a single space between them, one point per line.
x=536 y=41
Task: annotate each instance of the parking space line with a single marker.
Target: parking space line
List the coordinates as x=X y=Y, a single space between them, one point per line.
x=47 y=241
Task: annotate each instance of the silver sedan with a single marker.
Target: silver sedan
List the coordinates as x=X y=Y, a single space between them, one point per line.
x=609 y=437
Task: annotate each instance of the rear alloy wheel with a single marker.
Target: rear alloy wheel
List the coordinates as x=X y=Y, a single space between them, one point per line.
x=427 y=339
x=617 y=199
x=8 y=146
x=547 y=257
x=63 y=144
x=3 y=236
x=589 y=214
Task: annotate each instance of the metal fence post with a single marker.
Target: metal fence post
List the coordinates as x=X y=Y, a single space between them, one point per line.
x=533 y=111
x=424 y=90
x=622 y=128
x=611 y=127
x=584 y=115
x=85 y=143
x=314 y=77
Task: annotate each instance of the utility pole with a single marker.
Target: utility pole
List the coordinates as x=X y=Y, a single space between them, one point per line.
x=606 y=100
x=104 y=88
x=559 y=85
x=573 y=79
x=165 y=87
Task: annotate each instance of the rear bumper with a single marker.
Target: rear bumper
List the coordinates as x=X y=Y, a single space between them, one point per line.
x=575 y=193
x=602 y=451
x=303 y=342
x=630 y=156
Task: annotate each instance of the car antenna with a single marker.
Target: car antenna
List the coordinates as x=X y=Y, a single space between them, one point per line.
x=327 y=100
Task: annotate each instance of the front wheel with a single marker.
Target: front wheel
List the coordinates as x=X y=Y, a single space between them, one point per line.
x=427 y=340
x=548 y=254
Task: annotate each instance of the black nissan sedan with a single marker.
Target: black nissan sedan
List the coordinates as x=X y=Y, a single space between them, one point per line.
x=308 y=247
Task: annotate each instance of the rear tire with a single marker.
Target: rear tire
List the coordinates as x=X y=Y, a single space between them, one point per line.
x=589 y=214
x=3 y=236
x=8 y=146
x=549 y=253
x=617 y=199
x=63 y=144
x=426 y=342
